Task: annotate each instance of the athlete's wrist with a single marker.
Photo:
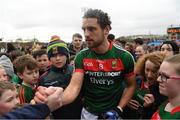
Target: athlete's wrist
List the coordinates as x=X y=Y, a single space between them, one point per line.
x=120 y=108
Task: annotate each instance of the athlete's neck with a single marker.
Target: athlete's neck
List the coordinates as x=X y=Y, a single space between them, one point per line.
x=103 y=48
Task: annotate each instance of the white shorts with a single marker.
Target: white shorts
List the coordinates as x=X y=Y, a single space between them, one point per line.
x=85 y=115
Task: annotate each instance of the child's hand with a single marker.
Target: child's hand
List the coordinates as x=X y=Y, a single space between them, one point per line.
x=32 y=102
x=41 y=95
x=148 y=100
x=134 y=104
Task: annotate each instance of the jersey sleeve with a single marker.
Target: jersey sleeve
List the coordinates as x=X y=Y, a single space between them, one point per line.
x=79 y=63
x=128 y=62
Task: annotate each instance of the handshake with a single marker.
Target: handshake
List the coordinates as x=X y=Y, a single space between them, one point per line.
x=51 y=96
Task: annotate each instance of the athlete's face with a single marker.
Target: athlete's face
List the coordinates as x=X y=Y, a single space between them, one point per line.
x=94 y=34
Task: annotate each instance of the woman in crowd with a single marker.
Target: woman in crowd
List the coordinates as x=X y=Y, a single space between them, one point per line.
x=169 y=85
x=169 y=48
x=140 y=51
x=146 y=98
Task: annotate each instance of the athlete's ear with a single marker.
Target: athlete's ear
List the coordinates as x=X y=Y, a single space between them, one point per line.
x=106 y=30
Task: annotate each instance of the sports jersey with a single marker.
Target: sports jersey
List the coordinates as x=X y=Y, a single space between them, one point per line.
x=26 y=93
x=162 y=114
x=104 y=76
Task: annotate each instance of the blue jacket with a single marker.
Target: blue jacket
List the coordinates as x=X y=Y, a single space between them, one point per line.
x=37 y=111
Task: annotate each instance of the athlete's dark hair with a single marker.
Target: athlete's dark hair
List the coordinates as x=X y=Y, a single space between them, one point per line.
x=102 y=18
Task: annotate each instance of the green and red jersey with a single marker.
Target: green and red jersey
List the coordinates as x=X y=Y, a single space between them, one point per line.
x=161 y=114
x=26 y=93
x=104 y=76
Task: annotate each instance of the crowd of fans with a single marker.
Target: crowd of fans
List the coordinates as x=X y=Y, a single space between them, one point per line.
x=21 y=72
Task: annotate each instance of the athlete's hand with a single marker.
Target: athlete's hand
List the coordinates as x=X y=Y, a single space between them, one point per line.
x=114 y=114
x=42 y=93
x=54 y=100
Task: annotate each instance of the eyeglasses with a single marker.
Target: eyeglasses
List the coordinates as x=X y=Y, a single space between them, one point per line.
x=164 y=78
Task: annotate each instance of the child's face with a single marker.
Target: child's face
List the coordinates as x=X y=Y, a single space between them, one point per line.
x=8 y=100
x=43 y=62
x=3 y=75
x=30 y=76
x=58 y=60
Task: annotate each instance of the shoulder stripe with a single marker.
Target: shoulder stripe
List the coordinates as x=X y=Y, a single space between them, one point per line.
x=120 y=48
x=79 y=70
x=21 y=95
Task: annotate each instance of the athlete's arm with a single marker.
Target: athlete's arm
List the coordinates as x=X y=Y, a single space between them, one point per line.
x=73 y=89
x=128 y=92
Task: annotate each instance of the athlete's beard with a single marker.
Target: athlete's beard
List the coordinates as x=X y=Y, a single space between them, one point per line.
x=97 y=43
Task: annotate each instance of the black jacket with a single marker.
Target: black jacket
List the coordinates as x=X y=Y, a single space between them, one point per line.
x=61 y=78
x=37 y=111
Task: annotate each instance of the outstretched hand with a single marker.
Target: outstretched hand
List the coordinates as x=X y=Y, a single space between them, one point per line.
x=54 y=100
x=51 y=96
x=43 y=92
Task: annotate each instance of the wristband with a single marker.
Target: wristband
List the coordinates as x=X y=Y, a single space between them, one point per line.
x=120 y=108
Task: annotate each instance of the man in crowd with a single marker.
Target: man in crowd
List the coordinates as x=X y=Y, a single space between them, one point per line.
x=76 y=45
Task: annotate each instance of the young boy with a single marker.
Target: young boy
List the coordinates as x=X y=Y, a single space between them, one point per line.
x=8 y=97
x=42 y=60
x=27 y=69
x=169 y=85
x=3 y=74
x=59 y=75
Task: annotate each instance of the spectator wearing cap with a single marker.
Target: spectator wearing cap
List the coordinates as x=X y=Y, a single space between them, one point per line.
x=8 y=66
x=59 y=75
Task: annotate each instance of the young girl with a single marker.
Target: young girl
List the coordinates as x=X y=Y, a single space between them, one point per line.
x=169 y=85
x=146 y=98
